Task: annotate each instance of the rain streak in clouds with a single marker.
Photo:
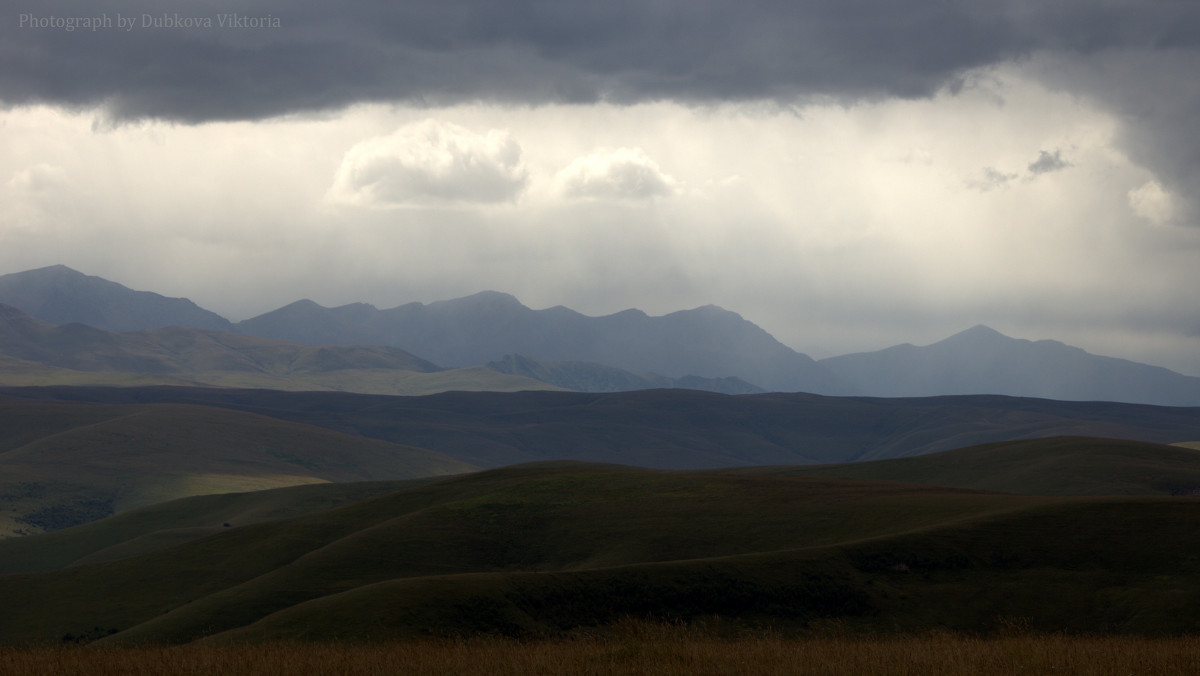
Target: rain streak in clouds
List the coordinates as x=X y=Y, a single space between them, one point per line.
x=848 y=175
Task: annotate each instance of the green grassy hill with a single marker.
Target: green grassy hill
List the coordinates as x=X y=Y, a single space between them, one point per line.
x=1054 y=466
x=553 y=547
x=539 y=518
x=62 y=464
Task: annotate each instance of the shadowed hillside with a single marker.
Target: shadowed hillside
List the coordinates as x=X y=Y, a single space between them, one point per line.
x=677 y=429
x=550 y=548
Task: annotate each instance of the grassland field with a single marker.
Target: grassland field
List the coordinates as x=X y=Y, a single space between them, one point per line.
x=639 y=648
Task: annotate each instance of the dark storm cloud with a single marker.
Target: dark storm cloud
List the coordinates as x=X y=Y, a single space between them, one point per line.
x=327 y=55
x=1048 y=162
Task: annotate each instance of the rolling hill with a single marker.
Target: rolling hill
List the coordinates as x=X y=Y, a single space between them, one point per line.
x=160 y=443
x=63 y=464
x=1075 y=466
x=554 y=547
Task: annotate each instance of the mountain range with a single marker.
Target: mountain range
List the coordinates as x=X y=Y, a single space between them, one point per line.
x=706 y=348
x=707 y=342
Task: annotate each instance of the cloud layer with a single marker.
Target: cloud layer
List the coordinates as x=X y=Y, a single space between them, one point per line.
x=431 y=163
x=320 y=55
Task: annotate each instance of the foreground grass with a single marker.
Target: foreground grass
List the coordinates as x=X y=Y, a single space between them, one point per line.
x=640 y=649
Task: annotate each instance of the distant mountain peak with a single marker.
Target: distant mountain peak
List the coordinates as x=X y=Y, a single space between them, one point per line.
x=711 y=310
x=981 y=330
x=303 y=304
x=497 y=298
x=56 y=269
x=976 y=334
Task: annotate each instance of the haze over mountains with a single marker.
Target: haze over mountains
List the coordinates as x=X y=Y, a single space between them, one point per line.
x=705 y=348
x=982 y=360
x=708 y=342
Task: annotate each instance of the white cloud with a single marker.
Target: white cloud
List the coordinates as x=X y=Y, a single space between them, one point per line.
x=38 y=178
x=431 y=163
x=615 y=174
x=1151 y=202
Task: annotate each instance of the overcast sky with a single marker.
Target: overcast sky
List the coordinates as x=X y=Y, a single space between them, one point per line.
x=847 y=174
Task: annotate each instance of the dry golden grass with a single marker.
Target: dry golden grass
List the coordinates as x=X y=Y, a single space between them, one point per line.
x=638 y=648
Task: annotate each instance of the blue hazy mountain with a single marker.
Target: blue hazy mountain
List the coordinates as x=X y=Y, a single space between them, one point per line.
x=982 y=360
x=707 y=342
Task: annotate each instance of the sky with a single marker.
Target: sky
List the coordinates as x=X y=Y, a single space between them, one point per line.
x=847 y=174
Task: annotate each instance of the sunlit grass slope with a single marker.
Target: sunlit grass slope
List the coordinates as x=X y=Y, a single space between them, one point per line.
x=66 y=463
